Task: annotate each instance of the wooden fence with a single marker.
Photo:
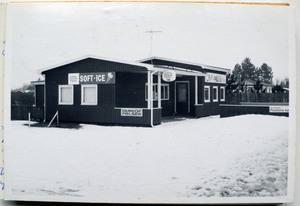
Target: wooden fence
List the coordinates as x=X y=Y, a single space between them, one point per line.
x=228 y=110
x=20 y=112
x=257 y=97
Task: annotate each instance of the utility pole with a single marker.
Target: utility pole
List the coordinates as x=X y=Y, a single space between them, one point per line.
x=151 y=33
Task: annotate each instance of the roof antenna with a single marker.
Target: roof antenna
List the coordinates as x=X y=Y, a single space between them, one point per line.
x=151 y=32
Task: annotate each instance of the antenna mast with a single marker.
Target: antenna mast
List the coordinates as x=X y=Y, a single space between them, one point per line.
x=151 y=33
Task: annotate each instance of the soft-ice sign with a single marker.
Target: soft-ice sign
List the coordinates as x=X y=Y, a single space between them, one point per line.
x=169 y=76
x=215 y=78
x=92 y=78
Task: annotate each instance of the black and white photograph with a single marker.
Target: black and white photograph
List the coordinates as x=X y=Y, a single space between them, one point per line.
x=149 y=102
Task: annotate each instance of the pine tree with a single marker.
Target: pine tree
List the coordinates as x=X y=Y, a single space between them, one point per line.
x=266 y=73
x=258 y=74
x=248 y=69
x=237 y=72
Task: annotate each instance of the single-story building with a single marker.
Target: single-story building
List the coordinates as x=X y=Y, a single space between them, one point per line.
x=266 y=87
x=106 y=91
x=250 y=86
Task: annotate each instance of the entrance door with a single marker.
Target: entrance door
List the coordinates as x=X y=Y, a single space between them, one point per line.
x=182 y=98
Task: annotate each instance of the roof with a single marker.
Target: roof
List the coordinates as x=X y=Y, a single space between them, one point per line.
x=38 y=82
x=185 y=64
x=179 y=71
x=149 y=67
x=266 y=84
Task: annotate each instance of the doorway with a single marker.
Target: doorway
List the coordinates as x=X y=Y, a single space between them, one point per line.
x=182 y=98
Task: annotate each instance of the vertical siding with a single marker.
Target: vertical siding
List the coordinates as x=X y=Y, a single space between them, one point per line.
x=128 y=92
x=208 y=108
x=39 y=96
x=168 y=105
x=234 y=110
x=200 y=90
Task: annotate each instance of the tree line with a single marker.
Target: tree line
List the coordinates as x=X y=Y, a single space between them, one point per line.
x=246 y=70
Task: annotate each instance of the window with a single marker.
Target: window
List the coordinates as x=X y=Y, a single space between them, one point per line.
x=215 y=94
x=222 y=94
x=89 y=94
x=65 y=94
x=206 y=94
x=165 y=92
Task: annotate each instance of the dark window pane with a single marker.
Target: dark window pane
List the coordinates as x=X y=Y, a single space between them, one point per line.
x=215 y=93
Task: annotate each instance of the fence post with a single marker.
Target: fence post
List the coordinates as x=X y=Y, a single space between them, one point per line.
x=57 y=119
x=29 y=119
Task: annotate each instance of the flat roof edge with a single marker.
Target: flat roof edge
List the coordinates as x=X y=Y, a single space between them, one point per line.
x=147 y=66
x=186 y=62
x=38 y=82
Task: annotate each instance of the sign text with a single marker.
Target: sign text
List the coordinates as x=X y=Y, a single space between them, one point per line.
x=92 y=78
x=131 y=112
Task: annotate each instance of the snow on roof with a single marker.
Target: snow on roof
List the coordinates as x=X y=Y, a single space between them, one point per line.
x=204 y=66
x=149 y=67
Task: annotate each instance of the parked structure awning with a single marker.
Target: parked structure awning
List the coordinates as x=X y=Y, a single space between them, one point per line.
x=178 y=71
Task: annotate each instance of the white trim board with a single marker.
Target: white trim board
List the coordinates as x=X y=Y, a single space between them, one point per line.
x=59 y=94
x=204 y=66
x=81 y=95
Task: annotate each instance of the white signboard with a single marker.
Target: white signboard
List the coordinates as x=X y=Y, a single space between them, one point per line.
x=279 y=109
x=92 y=78
x=131 y=112
x=73 y=78
x=215 y=78
x=169 y=76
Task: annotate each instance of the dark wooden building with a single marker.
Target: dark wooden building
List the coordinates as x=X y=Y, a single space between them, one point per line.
x=106 y=91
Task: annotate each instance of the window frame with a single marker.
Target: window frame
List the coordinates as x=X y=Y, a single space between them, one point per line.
x=206 y=100
x=155 y=86
x=59 y=94
x=166 y=89
x=222 y=99
x=217 y=94
x=90 y=86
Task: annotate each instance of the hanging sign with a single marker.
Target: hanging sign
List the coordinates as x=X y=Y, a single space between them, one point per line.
x=215 y=78
x=169 y=75
x=131 y=112
x=92 y=78
x=278 y=109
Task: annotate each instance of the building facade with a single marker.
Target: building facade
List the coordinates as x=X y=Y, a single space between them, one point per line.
x=104 y=91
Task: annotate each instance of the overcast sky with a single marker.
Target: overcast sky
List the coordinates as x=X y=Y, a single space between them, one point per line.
x=41 y=35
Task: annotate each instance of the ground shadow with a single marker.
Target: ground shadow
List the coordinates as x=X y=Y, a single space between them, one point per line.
x=173 y=119
x=60 y=125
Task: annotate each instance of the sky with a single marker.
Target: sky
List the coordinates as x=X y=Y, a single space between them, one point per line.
x=44 y=34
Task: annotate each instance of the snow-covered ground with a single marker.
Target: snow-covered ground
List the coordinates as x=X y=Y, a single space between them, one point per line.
x=177 y=161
